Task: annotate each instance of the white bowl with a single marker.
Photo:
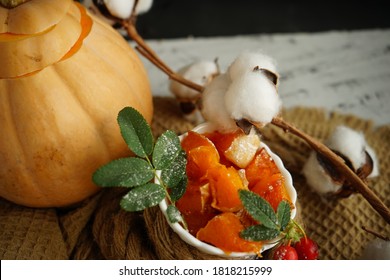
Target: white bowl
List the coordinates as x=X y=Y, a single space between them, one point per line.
x=210 y=249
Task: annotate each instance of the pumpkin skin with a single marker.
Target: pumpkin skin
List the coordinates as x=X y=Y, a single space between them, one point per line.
x=58 y=118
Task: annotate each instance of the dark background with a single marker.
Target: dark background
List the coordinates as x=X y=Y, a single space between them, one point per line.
x=204 y=18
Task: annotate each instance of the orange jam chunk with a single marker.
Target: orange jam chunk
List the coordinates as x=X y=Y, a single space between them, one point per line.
x=224 y=184
x=272 y=189
x=195 y=206
x=201 y=155
x=223 y=231
x=222 y=142
x=194 y=140
x=262 y=166
x=200 y=160
x=246 y=219
x=266 y=180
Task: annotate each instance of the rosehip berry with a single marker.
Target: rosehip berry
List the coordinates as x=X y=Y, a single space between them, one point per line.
x=285 y=252
x=307 y=249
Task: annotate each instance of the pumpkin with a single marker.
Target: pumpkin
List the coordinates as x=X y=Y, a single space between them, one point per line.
x=64 y=76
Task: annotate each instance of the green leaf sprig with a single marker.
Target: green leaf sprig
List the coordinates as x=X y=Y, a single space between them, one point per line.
x=271 y=224
x=164 y=160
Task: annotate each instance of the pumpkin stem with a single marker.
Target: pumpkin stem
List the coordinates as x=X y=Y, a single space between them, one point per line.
x=9 y=4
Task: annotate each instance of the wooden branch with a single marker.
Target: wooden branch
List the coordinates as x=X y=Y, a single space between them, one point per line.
x=152 y=59
x=172 y=75
x=355 y=181
x=146 y=51
x=386 y=238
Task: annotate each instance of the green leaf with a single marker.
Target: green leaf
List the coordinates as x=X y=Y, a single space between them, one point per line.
x=124 y=172
x=136 y=131
x=173 y=214
x=178 y=190
x=174 y=173
x=284 y=214
x=259 y=209
x=166 y=150
x=259 y=233
x=142 y=197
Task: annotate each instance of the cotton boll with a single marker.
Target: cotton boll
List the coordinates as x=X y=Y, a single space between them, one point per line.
x=252 y=97
x=247 y=61
x=317 y=178
x=143 y=6
x=201 y=73
x=349 y=143
x=213 y=104
x=375 y=170
x=377 y=249
x=101 y=11
x=120 y=8
x=353 y=146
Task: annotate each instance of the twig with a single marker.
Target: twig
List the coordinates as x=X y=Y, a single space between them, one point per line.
x=152 y=59
x=355 y=181
x=173 y=75
x=146 y=51
x=386 y=238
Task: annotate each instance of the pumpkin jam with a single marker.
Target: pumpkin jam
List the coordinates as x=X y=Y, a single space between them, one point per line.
x=211 y=205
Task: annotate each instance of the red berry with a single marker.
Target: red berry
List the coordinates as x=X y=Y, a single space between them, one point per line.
x=285 y=252
x=307 y=249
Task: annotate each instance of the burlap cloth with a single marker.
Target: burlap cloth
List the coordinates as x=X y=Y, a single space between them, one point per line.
x=98 y=229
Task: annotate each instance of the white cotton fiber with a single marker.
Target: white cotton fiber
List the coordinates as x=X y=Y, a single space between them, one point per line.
x=352 y=144
x=213 y=104
x=317 y=178
x=120 y=8
x=253 y=97
x=143 y=6
x=247 y=61
x=201 y=73
x=375 y=170
x=245 y=91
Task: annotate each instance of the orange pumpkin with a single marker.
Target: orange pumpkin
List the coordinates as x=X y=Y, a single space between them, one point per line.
x=64 y=76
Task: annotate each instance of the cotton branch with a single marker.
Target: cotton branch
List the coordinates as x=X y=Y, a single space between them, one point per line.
x=354 y=180
x=148 y=53
x=338 y=163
